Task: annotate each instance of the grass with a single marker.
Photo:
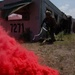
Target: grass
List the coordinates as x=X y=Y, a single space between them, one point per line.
x=65 y=39
x=60 y=55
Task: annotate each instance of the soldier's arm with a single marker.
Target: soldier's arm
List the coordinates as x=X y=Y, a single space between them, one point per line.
x=43 y=22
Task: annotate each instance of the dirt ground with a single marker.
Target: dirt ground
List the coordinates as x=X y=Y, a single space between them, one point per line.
x=60 y=55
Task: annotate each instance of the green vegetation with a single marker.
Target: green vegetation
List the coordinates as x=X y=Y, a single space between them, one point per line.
x=67 y=39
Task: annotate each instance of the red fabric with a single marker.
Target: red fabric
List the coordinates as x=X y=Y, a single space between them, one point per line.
x=16 y=60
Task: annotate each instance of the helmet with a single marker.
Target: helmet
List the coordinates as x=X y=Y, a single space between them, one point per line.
x=48 y=12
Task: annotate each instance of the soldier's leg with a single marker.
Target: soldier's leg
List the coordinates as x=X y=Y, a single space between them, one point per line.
x=52 y=35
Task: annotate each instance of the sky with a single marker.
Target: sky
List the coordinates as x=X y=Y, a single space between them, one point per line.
x=66 y=6
x=1 y=0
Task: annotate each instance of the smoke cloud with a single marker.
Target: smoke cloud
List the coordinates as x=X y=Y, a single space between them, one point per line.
x=16 y=60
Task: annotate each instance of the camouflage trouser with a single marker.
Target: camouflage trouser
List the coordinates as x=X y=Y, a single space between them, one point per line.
x=51 y=33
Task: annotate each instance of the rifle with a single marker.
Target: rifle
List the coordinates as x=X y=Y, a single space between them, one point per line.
x=40 y=33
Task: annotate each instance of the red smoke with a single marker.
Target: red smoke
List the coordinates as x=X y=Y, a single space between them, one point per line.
x=16 y=60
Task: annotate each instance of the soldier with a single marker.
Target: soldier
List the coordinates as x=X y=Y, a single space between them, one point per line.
x=50 y=25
